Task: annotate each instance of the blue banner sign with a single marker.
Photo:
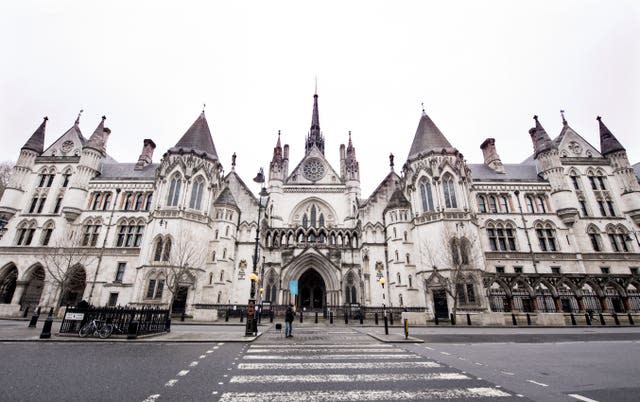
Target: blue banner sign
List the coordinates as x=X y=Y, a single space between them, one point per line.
x=293 y=288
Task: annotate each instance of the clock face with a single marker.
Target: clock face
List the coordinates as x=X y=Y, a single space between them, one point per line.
x=67 y=146
x=313 y=169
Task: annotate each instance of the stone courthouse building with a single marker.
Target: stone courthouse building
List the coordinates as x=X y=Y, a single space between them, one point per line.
x=555 y=233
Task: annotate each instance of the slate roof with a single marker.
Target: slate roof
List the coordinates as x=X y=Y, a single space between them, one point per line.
x=636 y=169
x=36 y=141
x=540 y=138
x=197 y=139
x=226 y=198
x=528 y=172
x=127 y=170
x=428 y=138
x=608 y=142
x=398 y=200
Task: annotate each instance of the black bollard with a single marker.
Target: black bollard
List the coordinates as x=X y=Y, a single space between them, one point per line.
x=316 y=319
x=331 y=317
x=435 y=319
x=453 y=319
x=167 y=323
x=241 y=315
x=271 y=316
x=361 y=319
x=346 y=318
x=390 y=317
x=601 y=319
x=301 y=318
x=226 y=315
x=182 y=316
x=630 y=319
x=528 y=319
x=468 y=319
x=46 y=329
x=26 y=312
x=616 y=319
x=132 y=330
x=573 y=319
x=513 y=319
x=386 y=326
x=260 y=317
x=587 y=317
x=34 y=318
x=375 y=318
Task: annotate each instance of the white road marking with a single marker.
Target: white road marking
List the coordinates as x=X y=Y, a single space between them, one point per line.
x=334 y=366
x=426 y=347
x=478 y=364
x=214 y=393
x=507 y=373
x=445 y=353
x=171 y=383
x=363 y=395
x=537 y=383
x=520 y=395
x=461 y=358
x=203 y=356
x=582 y=398
x=182 y=373
x=152 y=398
x=322 y=350
x=220 y=343
x=216 y=347
x=323 y=345
x=193 y=364
x=332 y=357
x=266 y=379
x=209 y=351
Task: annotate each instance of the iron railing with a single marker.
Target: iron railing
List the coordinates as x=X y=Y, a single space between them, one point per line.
x=149 y=320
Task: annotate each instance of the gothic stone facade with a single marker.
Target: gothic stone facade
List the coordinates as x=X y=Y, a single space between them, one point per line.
x=555 y=233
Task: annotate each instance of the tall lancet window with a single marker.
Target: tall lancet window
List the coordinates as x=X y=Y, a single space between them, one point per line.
x=305 y=221
x=427 y=196
x=174 y=190
x=313 y=216
x=449 y=192
x=321 y=220
x=196 y=193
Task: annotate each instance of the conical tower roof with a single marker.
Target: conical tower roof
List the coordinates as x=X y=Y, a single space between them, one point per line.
x=428 y=138
x=99 y=137
x=197 y=139
x=398 y=200
x=608 y=142
x=541 y=140
x=36 y=141
x=226 y=198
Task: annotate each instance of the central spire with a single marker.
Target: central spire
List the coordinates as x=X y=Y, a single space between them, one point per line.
x=315 y=136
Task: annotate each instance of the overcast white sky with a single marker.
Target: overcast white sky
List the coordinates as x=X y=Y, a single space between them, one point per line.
x=482 y=70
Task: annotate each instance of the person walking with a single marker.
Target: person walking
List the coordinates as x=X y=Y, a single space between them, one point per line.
x=288 y=321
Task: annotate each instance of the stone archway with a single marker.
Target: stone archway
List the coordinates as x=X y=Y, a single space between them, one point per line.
x=8 y=284
x=33 y=289
x=312 y=290
x=74 y=288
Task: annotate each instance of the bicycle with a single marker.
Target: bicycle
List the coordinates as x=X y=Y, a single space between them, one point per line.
x=95 y=328
x=107 y=329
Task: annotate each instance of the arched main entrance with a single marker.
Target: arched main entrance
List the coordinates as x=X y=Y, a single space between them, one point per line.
x=312 y=290
x=8 y=284
x=33 y=290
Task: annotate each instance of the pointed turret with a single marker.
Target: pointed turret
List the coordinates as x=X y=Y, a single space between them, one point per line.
x=279 y=162
x=98 y=139
x=315 y=136
x=197 y=139
x=608 y=142
x=428 y=138
x=36 y=141
x=349 y=167
x=540 y=139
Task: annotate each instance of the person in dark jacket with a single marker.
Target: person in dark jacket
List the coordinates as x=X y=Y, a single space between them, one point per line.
x=288 y=321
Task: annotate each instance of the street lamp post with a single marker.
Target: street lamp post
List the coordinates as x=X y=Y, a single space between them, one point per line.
x=252 y=322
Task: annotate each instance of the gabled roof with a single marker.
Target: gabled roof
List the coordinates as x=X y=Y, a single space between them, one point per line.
x=197 y=139
x=74 y=135
x=297 y=172
x=36 y=141
x=398 y=200
x=608 y=142
x=391 y=178
x=115 y=170
x=567 y=140
x=522 y=172
x=428 y=137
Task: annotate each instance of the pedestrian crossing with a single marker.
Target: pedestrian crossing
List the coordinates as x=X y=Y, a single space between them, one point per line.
x=343 y=372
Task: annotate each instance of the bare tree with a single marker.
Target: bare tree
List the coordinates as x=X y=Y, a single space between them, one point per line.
x=456 y=252
x=186 y=257
x=65 y=261
x=5 y=174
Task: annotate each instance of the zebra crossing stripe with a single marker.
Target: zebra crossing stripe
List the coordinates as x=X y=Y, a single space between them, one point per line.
x=312 y=346
x=323 y=350
x=335 y=366
x=333 y=357
x=266 y=379
x=363 y=395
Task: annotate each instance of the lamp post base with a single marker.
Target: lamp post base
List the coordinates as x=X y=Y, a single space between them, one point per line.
x=252 y=324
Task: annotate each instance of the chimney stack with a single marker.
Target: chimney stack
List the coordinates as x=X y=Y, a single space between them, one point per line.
x=147 y=153
x=491 y=157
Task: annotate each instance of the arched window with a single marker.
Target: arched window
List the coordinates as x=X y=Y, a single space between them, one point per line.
x=594 y=237
x=155 y=288
x=91 y=230
x=321 y=220
x=541 y=204
x=96 y=201
x=128 y=202
x=305 y=221
x=529 y=201
x=216 y=234
x=455 y=253
x=405 y=236
x=408 y=258
x=546 y=237
x=147 y=205
x=426 y=195
x=196 y=193
x=399 y=278
x=501 y=237
x=449 y=190
x=397 y=256
x=401 y=299
x=47 y=231
x=410 y=281
x=395 y=233
x=313 y=216
x=575 y=180
x=617 y=238
x=482 y=205
x=211 y=282
x=213 y=256
x=174 y=190
x=493 y=204
x=157 y=254
x=106 y=203
x=139 y=199
x=222 y=275
x=504 y=204
x=25 y=233
x=166 y=253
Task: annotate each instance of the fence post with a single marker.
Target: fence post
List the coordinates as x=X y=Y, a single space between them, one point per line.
x=346 y=317
x=331 y=317
x=630 y=319
x=615 y=318
x=46 y=329
x=375 y=318
x=573 y=319
x=468 y=319
x=528 y=319
x=601 y=319
x=226 y=315
x=513 y=319
x=241 y=315
x=587 y=317
x=361 y=318
x=270 y=315
x=316 y=320
x=167 y=322
x=391 y=317
x=386 y=326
